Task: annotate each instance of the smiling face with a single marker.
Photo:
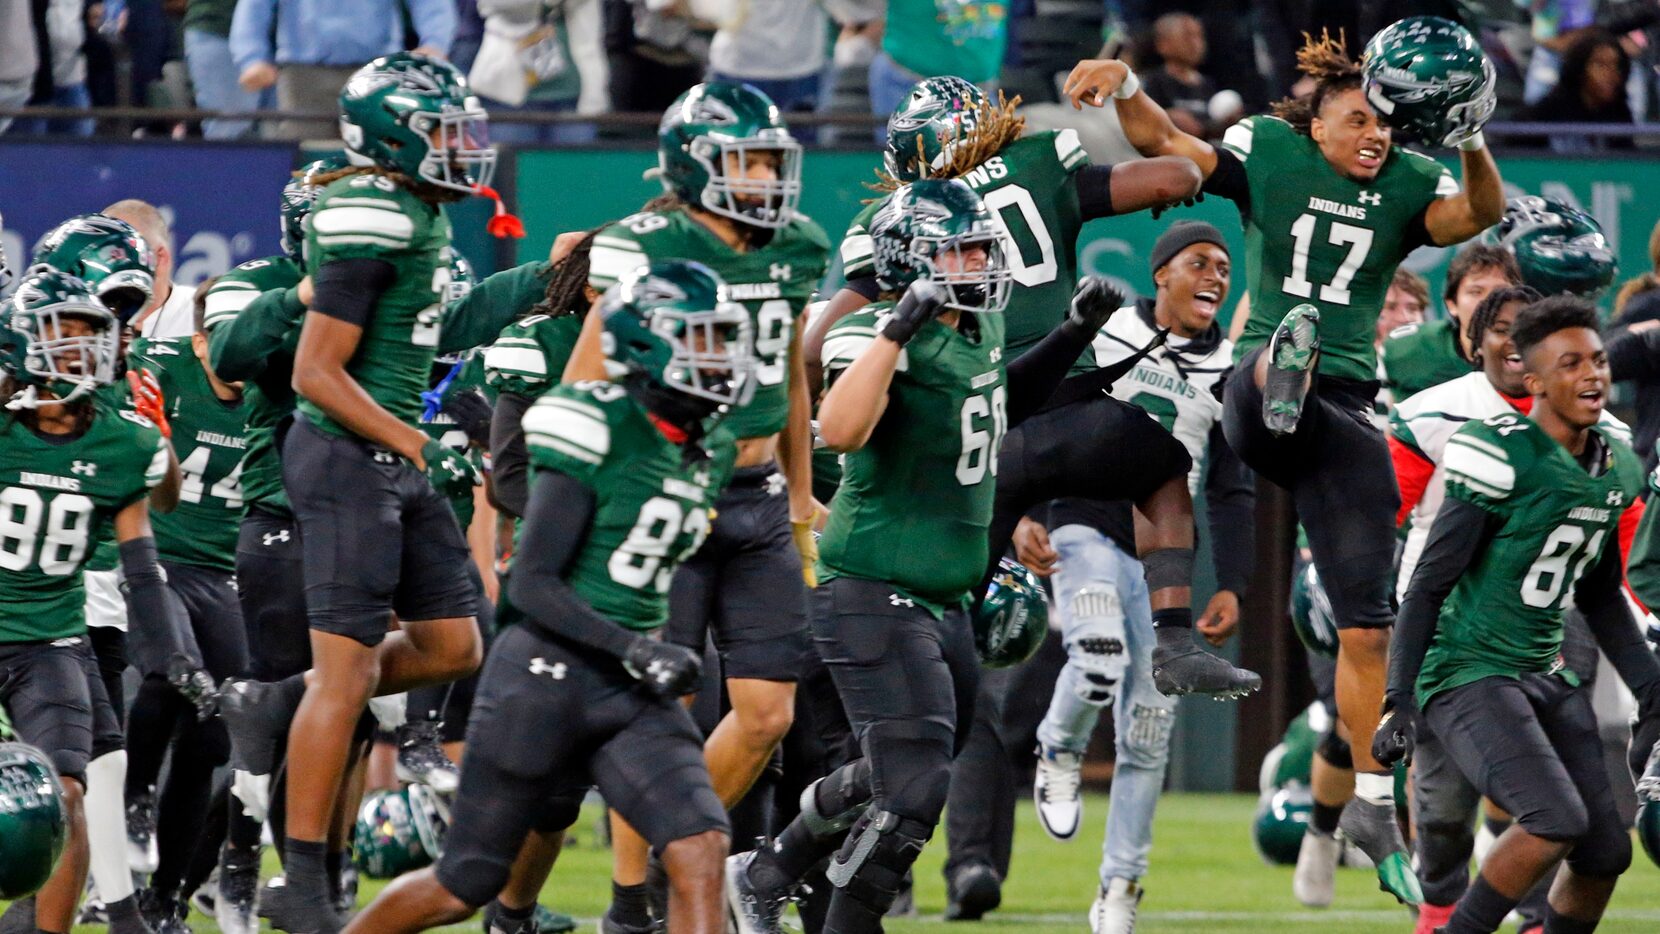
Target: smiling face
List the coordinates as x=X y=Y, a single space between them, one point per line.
x=1499 y=359
x=1568 y=372
x=1192 y=288
x=1350 y=135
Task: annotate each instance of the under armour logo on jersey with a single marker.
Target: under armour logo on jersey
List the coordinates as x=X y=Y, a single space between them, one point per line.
x=84 y=468
x=776 y=484
x=385 y=457
x=1615 y=497
x=779 y=271
x=897 y=600
x=556 y=671
x=1371 y=197
x=271 y=538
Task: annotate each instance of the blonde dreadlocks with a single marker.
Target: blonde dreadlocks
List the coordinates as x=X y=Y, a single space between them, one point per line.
x=1327 y=61
x=995 y=126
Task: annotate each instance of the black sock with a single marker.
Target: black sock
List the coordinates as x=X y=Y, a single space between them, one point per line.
x=306 y=865
x=1481 y=910
x=1175 y=617
x=788 y=858
x=333 y=862
x=520 y=914
x=1324 y=818
x=629 y=905
x=291 y=690
x=1562 y=924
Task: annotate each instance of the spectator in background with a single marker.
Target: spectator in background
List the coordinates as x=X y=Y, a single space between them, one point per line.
x=1554 y=24
x=538 y=55
x=1177 y=84
x=1633 y=345
x=319 y=43
x=207 y=53
x=469 y=33
x=924 y=37
x=780 y=47
x=59 y=32
x=1591 y=90
x=18 y=58
x=1404 y=303
x=659 y=48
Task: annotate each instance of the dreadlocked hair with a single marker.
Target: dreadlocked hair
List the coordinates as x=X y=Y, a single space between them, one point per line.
x=664 y=203
x=1488 y=311
x=1327 y=61
x=995 y=126
x=426 y=191
x=565 y=295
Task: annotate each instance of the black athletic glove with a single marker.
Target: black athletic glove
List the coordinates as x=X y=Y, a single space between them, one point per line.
x=666 y=669
x=194 y=685
x=472 y=414
x=1184 y=203
x=1397 y=733
x=921 y=303
x=1093 y=302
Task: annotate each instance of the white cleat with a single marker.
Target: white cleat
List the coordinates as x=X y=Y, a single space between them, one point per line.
x=1115 y=907
x=1055 y=791
x=1315 y=880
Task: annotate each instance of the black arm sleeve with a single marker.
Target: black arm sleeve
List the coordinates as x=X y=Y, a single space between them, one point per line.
x=348 y=289
x=1598 y=596
x=1230 y=492
x=866 y=287
x=1095 y=191
x=1460 y=534
x=1634 y=355
x=160 y=638
x=1034 y=375
x=556 y=524
x=509 y=456
x=1228 y=180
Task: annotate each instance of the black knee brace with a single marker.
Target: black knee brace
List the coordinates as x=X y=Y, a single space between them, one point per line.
x=875 y=857
x=831 y=804
x=1603 y=853
x=1335 y=749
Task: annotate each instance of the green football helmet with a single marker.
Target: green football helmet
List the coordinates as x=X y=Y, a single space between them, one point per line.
x=33 y=822
x=923 y=223
x=298 y=196
x=387 y=842
x=38 y=355
x=412 y=114
x=710 y=127
x=1558 y=247
x=1311 y=614
x=673 y=325
x=1012 y=621
x=106 y=253
x=1292 y=758
x=1428 y=78
x=934 y=116
x=1281 y=819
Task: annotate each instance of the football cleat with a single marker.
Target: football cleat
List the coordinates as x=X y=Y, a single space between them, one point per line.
x=123 y=917
x=974 y=890
x=256 y=721
x=236 y=905
x=1115 y=907
x=751 y=910
x=421 y=758
x=1432 y=918
x=1181 y=667
x=496 y=921
x=289 y=909
x=1372 y=827
x=1314 y=882
x=549 y=921
x=164 y=914
x=142 y=855
x=1293 y=353
x=1055 y=791
x=610 y=925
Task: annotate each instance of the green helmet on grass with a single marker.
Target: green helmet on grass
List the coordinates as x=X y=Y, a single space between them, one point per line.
x=1280 y=821
x=386 y=842
x=1012 y=621
x=705 y=144
x=934 y=116
x=108 y=254
x=33 y=822
x=673 y=326
x=1428 y=78
x=1558 y=247
x=1311 y=614
x=415 y=115
x=919 y=225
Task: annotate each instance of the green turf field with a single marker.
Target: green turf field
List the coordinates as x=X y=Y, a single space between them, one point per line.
x=1205 y=878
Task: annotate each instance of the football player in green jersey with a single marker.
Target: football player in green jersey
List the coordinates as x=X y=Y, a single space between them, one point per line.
x=1318 y=266
x=105 y=252
x=197 y=545
x=1418 y=356
x=1530 y=523
x=731 y=174
x=377 y=538
x=71 y=466
x=1041 y=189
x=580 y=690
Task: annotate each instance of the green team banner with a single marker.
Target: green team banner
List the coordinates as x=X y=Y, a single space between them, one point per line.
x=562 y=190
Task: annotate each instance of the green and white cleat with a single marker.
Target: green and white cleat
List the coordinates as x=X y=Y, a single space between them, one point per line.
x=1372 y=827
x=1293 y=353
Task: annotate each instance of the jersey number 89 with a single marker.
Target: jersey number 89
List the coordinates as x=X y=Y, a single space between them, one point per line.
x=639 y=561
x=68 y=520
